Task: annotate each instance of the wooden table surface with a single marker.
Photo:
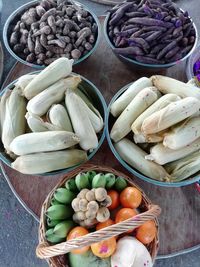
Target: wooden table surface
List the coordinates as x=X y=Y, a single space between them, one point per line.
x=180 y=219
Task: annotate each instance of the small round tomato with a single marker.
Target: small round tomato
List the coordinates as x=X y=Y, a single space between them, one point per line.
x=104 y=248
x=146 y=232
x=75 y=233
x=105 y=224
x=131 y=197
x=114 y=195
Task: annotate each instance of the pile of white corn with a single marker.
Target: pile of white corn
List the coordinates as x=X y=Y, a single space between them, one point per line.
x=45 y=117
x=163 y=115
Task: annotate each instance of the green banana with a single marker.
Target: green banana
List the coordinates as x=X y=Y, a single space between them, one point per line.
x=91 y=175
x=99 y=180
x=82 y=181
x=71 y=185
x=52 y=223
x=64 y=196
x=59 y=212
x=110 y=180
x=54 y=202
x=120 y=184
x=51 y=237
x=62 y=229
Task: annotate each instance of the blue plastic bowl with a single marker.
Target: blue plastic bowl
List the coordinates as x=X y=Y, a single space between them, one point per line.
x=109 y=123
x=13 y=18
x=99 y=101
x=142 y=66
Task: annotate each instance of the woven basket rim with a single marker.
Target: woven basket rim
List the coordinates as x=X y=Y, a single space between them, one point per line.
x=44 y=244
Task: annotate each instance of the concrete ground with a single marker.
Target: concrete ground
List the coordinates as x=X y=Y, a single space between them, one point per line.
x=18 y=229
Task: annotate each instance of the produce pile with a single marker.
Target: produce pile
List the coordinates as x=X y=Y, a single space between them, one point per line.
x=152 y=32
x=89 y=202
x=48 y=121
x=157 y=128
x=52 y=29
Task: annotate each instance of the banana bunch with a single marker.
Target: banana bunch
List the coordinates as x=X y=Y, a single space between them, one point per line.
x=47 y=121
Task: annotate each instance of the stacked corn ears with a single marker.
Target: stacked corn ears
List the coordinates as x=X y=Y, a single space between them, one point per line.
x=163 y=115
x=47 y=122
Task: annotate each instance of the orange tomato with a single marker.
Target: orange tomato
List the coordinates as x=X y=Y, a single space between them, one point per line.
x=146 y=232
x=77 y=232
x=115 y=199
x=124 y=214
x=105 y=248
x=131 y=197
x=104 y=224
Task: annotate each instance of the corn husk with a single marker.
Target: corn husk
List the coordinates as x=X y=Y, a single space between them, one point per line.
x=151 y=138
x=49 y=161
x=135 y=156
x=183 y=134
x=59 y=117
x=59 y=69
x=4 y=98
x=163 y=155
x=170 y=115
x=23 y=81
x=41 y=103
x=43 y=142
x=35 y=123
x=14 y=123
x=158 y=105
x=185 y=167
x=125 y=99
x=81 y=122
x=139 y=104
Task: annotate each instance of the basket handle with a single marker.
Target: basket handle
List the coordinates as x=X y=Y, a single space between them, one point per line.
x=44 y=250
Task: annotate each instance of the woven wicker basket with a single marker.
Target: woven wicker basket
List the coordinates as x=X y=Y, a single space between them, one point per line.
x=55 y=254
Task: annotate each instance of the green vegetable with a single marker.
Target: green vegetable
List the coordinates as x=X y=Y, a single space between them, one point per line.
x=87 y=259
x=64 y=196
x=52 y=223
x=82 y=181
x=71 y=185
x=62 y=229
x=59 y=212
x=91 y=175
x=99 y=180
x=120 y=184
x=54 y=202
x=110 y=180
x=51 y=237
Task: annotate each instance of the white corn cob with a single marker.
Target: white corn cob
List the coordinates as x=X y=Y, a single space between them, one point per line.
x=163 y=155
x=151 y=138
x=124 y=100
x=57 y=70
x=192 y=82
x=41 y=103
x=4 y=98
x=14 y=122
x=43 y=142
x=169 y=85
x=135 y=156
x=183 y=134
x=96 y=120
x=35 y=123
x=59 y=117
x=142 y=101
x=49 y=161
x=156 y=106
x=23 y=81
x=80 y=120
x=185 y=167
x=170 y=115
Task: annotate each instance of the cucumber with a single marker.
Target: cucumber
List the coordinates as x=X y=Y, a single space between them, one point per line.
x=71 y=185
x=99 y=180
x=82 y=181
x=64 y=196
x=110 y=180
x=87 y=259
x=52 y=238
x=90 y=176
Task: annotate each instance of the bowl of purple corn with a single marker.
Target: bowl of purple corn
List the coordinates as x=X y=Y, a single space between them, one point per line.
x=193 y=66
x=150 y=34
